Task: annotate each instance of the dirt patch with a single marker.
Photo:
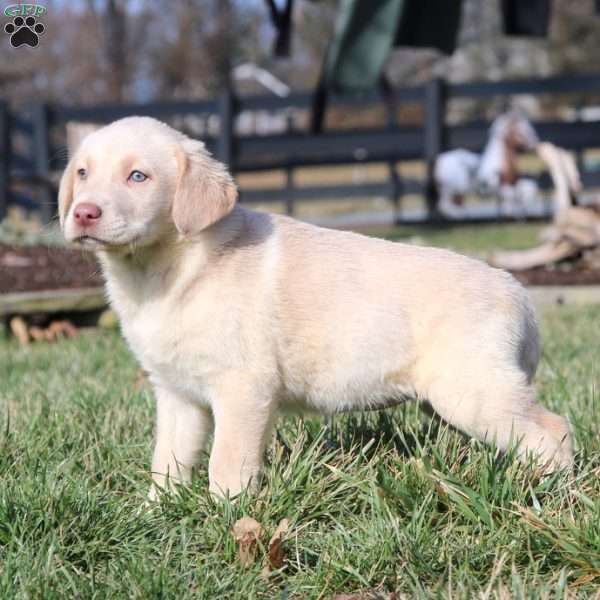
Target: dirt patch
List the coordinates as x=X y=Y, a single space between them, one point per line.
x=34 y=268
x=556 y=276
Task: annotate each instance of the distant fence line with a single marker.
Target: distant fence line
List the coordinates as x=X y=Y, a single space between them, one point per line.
x=30 y=139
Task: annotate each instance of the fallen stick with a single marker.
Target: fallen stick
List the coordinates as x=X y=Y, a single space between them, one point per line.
x=564 y=173
x=521 y=260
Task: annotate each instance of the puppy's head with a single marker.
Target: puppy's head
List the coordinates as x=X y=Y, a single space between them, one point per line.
x=136 y=181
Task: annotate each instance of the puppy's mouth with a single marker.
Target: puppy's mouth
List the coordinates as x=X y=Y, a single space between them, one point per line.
x=90 y=240
x=96 y=243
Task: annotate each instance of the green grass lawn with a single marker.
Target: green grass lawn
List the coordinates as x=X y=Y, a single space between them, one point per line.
x=391 y=501
x=478 y=239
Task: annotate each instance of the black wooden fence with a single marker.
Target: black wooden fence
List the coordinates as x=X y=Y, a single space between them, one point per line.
x=36 y=159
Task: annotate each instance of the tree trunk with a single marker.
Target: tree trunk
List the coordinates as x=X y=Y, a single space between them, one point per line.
x=115 y=37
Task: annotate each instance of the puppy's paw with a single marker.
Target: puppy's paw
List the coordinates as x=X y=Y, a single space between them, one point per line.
x=229 y=486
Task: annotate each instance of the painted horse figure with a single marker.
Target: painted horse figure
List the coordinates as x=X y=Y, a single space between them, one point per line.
x=494 y=173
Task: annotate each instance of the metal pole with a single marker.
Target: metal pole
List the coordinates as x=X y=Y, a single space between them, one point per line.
x=225 y=146
x=289 y=175
x=435 y=111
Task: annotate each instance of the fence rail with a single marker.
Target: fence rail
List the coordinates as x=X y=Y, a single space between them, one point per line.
x=38 y=129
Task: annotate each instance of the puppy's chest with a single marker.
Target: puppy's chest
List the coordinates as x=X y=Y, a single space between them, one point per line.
x=174 y=346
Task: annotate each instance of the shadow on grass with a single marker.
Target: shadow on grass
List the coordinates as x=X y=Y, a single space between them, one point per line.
x=410 y=430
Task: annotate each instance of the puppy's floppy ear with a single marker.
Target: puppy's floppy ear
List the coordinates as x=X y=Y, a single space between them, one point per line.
x=65 y=192
x=205 y=191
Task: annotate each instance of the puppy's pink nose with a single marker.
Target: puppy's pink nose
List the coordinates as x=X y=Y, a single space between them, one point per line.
x=87 y=213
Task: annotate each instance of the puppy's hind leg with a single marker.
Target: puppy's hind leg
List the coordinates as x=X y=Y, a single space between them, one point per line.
x=503 y=409
x=558 y=427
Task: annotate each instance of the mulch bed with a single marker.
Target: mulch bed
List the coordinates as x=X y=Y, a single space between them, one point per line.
x=558 y=276
x=33 y=268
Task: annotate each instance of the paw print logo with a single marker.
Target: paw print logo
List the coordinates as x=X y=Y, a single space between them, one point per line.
x=24 y=31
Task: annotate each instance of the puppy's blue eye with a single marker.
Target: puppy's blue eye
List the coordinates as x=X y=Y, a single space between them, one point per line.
x=82 y=173
x=137 y=176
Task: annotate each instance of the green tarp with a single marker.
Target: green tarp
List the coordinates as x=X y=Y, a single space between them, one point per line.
x=362 y=41
x=367 y=30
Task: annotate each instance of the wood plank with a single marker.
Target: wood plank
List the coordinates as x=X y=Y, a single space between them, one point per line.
x=529 y=85
x=52 y=301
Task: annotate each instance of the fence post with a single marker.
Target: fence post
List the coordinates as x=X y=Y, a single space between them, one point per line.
x=41 y=149
x=579 y=105
x=289 y=191
x=395 y=180
x=435 y=113
x=396 y=191
x=5 y=159
x=225 y=146
x=289 y=174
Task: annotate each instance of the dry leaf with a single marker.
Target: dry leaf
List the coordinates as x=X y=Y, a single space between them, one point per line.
x=54 y=329
x=276 y=554
x=37 y=333
x=141 y=381
x=69 y=329
x=62 y=328
x=19 y=329
x=247 y=531
x=587 y=578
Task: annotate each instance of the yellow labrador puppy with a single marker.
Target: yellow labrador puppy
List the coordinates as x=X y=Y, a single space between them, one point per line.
x=237 y=314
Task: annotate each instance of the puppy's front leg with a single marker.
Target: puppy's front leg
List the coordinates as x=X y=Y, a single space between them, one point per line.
x=182 y=429
x=244 y=414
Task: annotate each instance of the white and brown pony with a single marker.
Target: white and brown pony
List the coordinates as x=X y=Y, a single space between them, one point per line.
x=494 y=173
